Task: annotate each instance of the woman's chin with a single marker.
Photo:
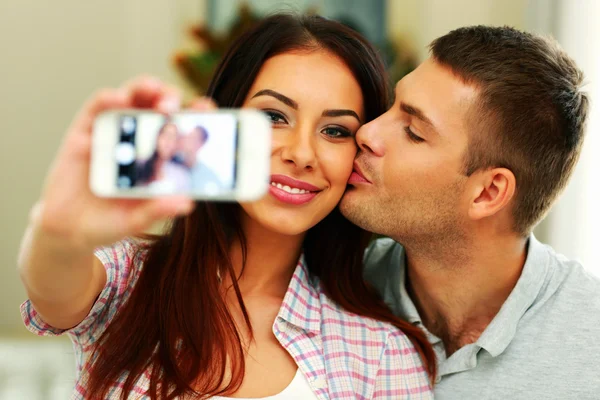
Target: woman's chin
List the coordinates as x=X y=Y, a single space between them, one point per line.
x=289 y=227
x=284 y=220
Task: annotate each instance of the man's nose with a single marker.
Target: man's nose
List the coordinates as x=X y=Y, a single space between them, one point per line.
x=370 y=139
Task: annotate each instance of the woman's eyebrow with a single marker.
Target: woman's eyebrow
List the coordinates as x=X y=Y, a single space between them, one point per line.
x=341 y=113
x=282 y=98
x=291 y=103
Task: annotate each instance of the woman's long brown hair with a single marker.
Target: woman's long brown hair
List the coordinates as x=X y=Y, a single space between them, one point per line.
x=176 y=324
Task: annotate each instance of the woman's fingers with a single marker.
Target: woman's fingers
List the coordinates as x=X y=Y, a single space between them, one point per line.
x=142 y=92
x=102 y=100
x=203 y=104
x=149 y=92
x=70 y=207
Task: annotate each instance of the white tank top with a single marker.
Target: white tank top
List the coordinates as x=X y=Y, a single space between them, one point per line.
x=298 y=389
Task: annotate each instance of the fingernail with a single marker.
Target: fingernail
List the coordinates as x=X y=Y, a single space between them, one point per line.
x=122 y=94
x=205 y=103
x=169 y=104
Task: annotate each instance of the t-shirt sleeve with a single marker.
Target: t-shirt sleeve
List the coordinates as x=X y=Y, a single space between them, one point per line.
x=122 y=264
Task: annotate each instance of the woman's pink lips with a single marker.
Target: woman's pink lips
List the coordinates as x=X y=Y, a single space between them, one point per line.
x=291 y=182
x=296 y=199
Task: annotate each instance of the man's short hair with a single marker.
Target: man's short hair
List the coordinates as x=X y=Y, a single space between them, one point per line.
x=530 y=113
x=203 y=132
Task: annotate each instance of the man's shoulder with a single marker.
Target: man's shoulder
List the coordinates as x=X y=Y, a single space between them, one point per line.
x=570 y=292
x=570 y=276
x=577 y=291
x=204 y=172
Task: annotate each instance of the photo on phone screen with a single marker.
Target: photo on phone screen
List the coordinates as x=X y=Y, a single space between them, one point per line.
x=184 y=153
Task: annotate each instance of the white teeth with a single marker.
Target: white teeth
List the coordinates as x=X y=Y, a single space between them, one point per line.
x=288 y=189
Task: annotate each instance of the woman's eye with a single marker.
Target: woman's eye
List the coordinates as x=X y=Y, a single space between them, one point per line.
x=412 y=136
x=275 y=117
x=336 y=132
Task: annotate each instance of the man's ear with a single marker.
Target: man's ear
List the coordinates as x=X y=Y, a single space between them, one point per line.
x=493 y=189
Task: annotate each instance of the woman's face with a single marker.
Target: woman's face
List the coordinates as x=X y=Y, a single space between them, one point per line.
x=166 y=144
x=316 y=106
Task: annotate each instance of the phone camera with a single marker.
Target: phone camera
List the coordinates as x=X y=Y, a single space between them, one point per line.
x=128 y=125
x=125 y=153
x=124 y=182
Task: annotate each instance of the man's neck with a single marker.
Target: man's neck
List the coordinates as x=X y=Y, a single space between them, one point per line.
x=458 y=293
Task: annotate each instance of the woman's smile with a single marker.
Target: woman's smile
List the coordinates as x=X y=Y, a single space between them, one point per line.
x=292 y=191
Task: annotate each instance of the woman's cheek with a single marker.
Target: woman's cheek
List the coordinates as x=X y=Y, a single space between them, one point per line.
x=337 y=163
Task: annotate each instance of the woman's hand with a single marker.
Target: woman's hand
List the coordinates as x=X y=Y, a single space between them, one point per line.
x=68 y=211
x=56 y=262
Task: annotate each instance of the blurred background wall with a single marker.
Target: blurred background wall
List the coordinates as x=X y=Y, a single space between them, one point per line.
x=54 y=54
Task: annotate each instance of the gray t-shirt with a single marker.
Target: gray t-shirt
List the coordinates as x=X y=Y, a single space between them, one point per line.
x=205 y=180
x=544 y=343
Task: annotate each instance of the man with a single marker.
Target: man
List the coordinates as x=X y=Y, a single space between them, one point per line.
x=480 y=141
x=204 y=179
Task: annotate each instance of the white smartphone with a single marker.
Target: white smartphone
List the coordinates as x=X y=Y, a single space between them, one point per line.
x=222 y=155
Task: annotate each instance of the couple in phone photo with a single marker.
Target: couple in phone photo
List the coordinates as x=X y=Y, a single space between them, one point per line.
x=286 y=299
x=175 y=167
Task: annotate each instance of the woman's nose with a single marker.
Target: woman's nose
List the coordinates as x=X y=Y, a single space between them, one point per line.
x=299 y=150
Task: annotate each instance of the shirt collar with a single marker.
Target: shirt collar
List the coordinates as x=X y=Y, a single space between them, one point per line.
x=500 y=332
x=301 y=305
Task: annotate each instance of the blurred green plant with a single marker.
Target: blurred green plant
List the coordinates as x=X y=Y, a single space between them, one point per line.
x=198 y=67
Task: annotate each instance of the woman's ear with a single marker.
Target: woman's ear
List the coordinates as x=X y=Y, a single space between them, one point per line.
x=493 y=190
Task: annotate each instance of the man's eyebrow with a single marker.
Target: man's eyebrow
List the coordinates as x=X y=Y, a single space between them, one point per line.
x=415 y=112
x=284 y=99
x=341 y=113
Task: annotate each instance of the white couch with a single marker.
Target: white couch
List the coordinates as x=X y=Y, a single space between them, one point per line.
x=36 y=369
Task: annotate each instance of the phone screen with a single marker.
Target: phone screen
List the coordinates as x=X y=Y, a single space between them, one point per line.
x=183 y=153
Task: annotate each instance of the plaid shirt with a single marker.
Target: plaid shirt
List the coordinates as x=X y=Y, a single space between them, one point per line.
x=342 y=355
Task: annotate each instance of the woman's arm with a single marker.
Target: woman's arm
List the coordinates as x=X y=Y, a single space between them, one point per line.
x=62 y=281
x=57 y=265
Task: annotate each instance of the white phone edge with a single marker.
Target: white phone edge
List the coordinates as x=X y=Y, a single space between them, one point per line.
x=252 y=166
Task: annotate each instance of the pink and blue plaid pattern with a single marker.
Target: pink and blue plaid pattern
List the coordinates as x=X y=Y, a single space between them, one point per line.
x=342 y=355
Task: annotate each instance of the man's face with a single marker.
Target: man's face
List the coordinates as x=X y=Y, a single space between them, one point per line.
x=195 y=140
x=190 y=145
x=412 y=159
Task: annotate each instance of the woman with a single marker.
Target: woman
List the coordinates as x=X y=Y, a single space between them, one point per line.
x=235 y=299
x=160 y=170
